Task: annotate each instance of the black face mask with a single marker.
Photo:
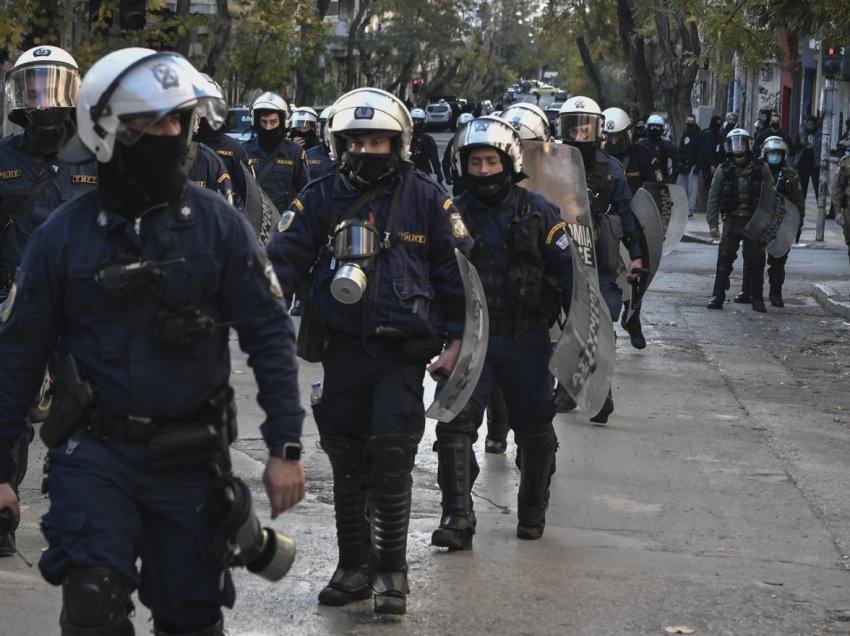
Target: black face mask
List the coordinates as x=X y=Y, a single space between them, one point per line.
x=654 y=133
x=146 y=174
x=269 y=139
x=640 y=130
x=205 y=132
x=774 y=125
x=419 y=126
x=691 y=126
x=48 y=128
x=491 y=188
x=310 y=137
x=367 y=168
x=619 y=146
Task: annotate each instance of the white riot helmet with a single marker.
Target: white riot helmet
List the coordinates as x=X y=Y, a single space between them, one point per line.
x=43 y=77
x=737 y=142
x=137 y=82
x=271 y=102
x=580 y=121
x=655 y=126
x=489 y=131
x=772 y=145
x=528 y=120
x=616 y=120
x=322 y=124
x=464 y=118
x=369 y=110
x=420 y=120
x=304 y=116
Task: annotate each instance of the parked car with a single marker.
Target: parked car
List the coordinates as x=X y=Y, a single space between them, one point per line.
x=239 y=123
x=439 y=115
x=562 y=96
x=544 y=89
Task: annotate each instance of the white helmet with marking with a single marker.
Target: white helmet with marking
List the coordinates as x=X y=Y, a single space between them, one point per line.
x=303 y=116
x=369 y=110
x=616 y=120
x=580 y=120
x=528 y=120
x=488 y=131
x=42 y=77
x=270 y=101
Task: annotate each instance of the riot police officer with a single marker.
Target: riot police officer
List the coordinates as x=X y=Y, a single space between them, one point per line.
x=319 y=157
x=452 y=177
x=787 y=182
x=204 y=168
x=423 y=148
x=653 y=153
x=231 y=153
x=581 y=124
x=303 y=132
x=42 y=89
x=734 y=196
x=133 y=286
x=379 y=238
x=279 y=164
x=618 y=144
x=523 y=257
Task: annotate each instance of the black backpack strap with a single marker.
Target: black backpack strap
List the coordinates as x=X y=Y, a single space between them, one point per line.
x=24 y=205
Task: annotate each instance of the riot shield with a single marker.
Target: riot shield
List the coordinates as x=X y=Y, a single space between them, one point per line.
x=774 y=223
x=583 y=358
x=672 y=203
x=473 y=348
x=646 y=213
x=261 y=213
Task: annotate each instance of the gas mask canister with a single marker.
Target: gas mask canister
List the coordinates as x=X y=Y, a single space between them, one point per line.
x=355 y=246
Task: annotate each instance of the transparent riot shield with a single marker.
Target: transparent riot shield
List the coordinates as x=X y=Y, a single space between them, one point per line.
x=583 y=358
x=261 y=213
x=473 y=348
x=672 y=203
x=647 y=215
x=774 y=223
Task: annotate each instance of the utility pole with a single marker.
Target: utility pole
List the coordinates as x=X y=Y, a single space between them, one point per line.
x=827 y=102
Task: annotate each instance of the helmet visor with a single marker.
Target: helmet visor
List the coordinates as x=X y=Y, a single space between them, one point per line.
x=54 y=86
x=302 y=119
x=579 y=127
x=737 y=145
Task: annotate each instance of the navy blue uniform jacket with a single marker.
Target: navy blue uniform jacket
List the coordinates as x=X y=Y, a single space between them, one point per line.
x=56 y=300
x=286 y=176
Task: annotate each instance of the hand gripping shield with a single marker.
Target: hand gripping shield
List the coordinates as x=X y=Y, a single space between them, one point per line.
x=260 y=212
x=648 y=217
x=583 y=358
x=774 y=223
x=473 y=348
x=672 y=203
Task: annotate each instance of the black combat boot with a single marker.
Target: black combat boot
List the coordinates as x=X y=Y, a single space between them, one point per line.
x=721 y=284
x=743 y=296
x=605 y=411
x=537 y=463
x=757 y=291
x=563 y=402
x=457 y=525
x=776 y=278
x=389 y=507
x=350 y=582
x=635 y=331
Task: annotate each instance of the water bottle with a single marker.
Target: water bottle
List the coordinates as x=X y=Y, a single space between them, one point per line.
x=315 y=393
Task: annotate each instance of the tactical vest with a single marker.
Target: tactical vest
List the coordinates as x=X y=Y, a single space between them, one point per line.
x=740 y=193
x=781 y=181
x=599 y=190
x=514 y=274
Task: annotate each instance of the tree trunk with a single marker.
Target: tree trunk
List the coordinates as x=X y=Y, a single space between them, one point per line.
x=679 y=51
x=593 y=73
x=633 y=48
x=220 y=39
x=350 y=61
x=307 y=71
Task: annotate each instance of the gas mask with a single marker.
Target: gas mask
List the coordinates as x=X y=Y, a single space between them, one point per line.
x=356 y=244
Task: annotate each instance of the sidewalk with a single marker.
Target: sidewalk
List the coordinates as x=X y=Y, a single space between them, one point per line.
x=833 y=294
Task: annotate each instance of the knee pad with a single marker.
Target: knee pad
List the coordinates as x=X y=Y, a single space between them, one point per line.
x=393 y=454
x=540 y=439
x=95 y=601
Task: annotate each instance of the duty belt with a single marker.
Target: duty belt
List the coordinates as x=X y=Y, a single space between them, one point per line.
x=131 y=430
x=516 y=328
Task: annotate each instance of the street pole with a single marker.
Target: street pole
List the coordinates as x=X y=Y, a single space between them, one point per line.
x=827 y=99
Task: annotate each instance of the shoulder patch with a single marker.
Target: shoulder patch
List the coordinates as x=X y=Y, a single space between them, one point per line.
x=285 y=221
x=10 y=174
x=459 y=230
x=274 y=283
x=89 y=179
x=553 y=231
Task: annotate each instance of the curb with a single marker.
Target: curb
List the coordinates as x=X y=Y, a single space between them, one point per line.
x=828 y=298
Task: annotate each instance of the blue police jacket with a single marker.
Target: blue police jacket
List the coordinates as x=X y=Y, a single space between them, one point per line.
x=56 y=300
x=492 y=220
x=21 y=168
x=208 y=171
x=621 y=197
x=232 y=154
x=319 y=161
x=416 y=286
x=281 y=173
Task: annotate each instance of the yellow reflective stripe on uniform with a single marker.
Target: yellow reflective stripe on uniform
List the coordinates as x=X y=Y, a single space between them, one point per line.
x=448 y=204
x=554 y=230
x=224 y=176
x=297 y=203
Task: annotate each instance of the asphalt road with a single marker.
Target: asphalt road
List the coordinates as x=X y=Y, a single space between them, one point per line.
x=715 y=500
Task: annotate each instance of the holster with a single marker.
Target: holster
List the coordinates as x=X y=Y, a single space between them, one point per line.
x=70 y=408
x=184 y=447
